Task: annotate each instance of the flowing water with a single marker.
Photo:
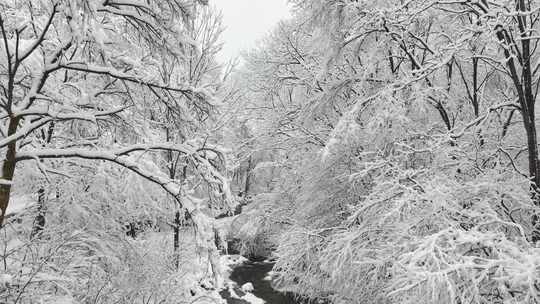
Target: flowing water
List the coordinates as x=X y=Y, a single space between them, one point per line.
x=255 y=272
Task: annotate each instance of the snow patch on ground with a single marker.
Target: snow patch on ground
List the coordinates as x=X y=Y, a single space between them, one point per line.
x=248 y=287
x=251 y=298
x=269 y=276
x=228 y=261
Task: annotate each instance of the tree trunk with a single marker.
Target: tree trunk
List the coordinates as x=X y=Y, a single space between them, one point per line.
x=532 y=145
x=8 y=170
x=248 y=176
x=523 y=84
x=176 y=242
x=39 y=221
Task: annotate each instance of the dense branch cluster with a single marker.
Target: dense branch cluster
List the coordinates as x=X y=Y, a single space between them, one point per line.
x=93 y=93
x=405 y=135
x=383 y=151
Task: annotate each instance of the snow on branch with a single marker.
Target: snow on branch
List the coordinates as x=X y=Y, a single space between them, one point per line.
x=94 y=69
x=58 y=115
x=481 y=119
x=50 y=115
x=121 y=157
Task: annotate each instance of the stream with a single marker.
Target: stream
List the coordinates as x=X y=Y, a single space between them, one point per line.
x=255 y=272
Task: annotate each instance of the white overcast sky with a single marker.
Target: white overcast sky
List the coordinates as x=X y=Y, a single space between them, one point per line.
x=247 y=21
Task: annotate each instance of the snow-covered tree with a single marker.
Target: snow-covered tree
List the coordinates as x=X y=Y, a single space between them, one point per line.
x=83 y=90
x=423 y=189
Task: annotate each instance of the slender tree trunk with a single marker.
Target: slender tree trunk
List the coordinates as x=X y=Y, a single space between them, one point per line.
x=532 y=145
x=39 y=221
x=248 y=177
x=176 y=244
x=8 y=170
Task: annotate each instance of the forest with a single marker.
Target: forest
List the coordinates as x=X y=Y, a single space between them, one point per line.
x=365 y=151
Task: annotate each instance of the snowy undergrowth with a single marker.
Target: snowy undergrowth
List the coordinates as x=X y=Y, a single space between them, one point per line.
x=86 y=265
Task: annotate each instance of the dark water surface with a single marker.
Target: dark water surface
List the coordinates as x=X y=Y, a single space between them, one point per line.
x=254 y=272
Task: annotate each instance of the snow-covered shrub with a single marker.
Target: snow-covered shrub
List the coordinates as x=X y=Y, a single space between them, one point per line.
x=255 y=232
x=84 y=254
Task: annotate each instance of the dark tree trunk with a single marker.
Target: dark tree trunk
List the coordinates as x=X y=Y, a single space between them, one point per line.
x=176 y=242
x=248 y=177
x=39 y=221
x=8 y=170
x=523 y=84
